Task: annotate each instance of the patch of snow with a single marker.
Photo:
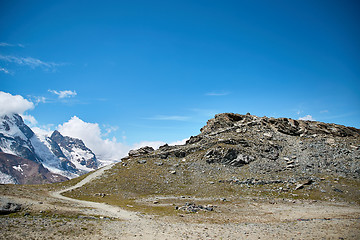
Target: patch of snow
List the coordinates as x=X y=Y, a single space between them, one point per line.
x=18 y=168
x=75 y=157
x=60 y=172
x=6 y=146
x=7 y=179
x=44 y=153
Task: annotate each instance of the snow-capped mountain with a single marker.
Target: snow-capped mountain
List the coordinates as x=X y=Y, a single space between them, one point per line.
x=59 y=154
x=72 y=152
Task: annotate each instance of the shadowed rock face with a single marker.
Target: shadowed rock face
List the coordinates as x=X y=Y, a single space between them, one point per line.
x=272 y=145
x=25 y=171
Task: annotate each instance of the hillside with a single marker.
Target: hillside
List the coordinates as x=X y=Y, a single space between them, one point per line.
x=237 y=156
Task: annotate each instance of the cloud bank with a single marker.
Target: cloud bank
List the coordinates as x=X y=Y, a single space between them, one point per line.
x=11 y=104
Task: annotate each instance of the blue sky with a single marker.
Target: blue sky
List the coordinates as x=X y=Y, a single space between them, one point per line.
x=158 y=70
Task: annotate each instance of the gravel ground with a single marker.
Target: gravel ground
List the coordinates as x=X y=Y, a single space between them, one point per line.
x=65 y=228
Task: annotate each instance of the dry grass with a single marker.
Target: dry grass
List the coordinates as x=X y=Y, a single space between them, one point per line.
x=135 y=186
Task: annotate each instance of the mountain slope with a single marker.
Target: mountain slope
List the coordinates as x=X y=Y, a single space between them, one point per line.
x=66 y=156
x=18 y=170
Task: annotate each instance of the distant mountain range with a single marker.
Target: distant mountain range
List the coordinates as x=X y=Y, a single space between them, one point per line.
x=27 y=158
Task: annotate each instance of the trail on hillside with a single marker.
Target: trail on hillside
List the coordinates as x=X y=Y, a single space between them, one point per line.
x=99 y=208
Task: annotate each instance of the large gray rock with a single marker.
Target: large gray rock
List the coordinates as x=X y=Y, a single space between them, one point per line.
x=140 y=151
x=7 y=207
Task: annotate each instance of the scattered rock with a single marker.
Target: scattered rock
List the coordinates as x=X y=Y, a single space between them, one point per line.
x=302 y=184
x=193 y=208
x=99 y=194
x=338 y=190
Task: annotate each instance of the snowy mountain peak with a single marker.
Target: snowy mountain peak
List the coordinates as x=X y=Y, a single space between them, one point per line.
x=75 y=150
x=14 y=126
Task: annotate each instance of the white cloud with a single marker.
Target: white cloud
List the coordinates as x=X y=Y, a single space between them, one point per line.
x=308 y=118
x=4 y=70
x=29 y=61
x=169 y=118
x=217 y=94
x=180 y=142
x=109 y=129
x=64 y=94
x=3 y=44
x=90 y=133
x=29 y=119
x=40 y=100
x=104 y=148
x=10 y=104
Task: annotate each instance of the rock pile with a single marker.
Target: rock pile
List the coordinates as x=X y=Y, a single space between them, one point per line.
x=193 y=208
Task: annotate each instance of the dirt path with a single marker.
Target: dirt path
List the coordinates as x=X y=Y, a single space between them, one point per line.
x=97 y=208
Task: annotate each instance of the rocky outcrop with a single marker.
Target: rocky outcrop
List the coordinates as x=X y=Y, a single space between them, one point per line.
x=7 y=206
x=141 y=151
x=229 y=156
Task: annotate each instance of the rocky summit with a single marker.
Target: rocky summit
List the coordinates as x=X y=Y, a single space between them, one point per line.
x=271 y=145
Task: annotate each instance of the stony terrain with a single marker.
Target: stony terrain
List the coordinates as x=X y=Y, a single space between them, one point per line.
x=242 y=177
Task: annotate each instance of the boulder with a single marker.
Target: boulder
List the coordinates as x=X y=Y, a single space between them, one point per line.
x=7 y=207
x=140 y=151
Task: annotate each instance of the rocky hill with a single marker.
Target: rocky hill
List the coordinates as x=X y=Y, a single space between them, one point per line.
x=236 y=156
x=58 y=154
x=273 y=145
